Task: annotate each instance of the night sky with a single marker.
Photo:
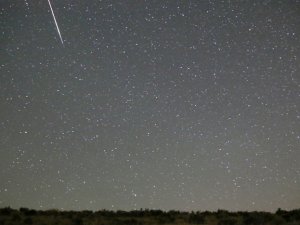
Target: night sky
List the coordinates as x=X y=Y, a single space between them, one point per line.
x=186 y=105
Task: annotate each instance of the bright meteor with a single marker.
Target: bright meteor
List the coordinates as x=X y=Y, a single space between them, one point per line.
x=56 y=23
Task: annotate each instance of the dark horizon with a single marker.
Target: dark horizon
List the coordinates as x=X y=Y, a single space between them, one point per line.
x=147 y=217
x=23 y=208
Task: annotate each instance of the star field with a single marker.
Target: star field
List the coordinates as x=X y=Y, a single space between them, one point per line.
x=188 y=105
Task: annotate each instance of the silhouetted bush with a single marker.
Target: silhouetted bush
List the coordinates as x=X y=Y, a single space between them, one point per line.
x=6 y=211
x=105 y=213
x=23 y=210
x=87 y=213
x=295 y=214
x=122 y=213
x=51 y=212
x=174 y=212
x=30 y=212
x=196 y=218
x=156 y=212
x=206 y=213
x=253 y=219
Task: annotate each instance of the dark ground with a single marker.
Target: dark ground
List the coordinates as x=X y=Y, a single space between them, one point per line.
x=22 y=216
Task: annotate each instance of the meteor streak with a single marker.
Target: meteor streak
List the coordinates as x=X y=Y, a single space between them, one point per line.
x=58 y=31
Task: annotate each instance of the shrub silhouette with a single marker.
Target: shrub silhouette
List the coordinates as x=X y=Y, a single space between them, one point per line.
x=254 y=219
x=6 y=211
x=196 y=218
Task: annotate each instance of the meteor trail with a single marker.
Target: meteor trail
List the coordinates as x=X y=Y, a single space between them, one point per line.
x=56 y=23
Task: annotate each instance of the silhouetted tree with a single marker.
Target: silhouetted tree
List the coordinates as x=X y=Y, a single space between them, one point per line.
x=6 y=211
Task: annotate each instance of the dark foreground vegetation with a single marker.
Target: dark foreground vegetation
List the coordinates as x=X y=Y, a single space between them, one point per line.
x=26 y=216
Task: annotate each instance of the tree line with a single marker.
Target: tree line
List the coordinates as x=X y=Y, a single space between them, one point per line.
x=25 y=216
